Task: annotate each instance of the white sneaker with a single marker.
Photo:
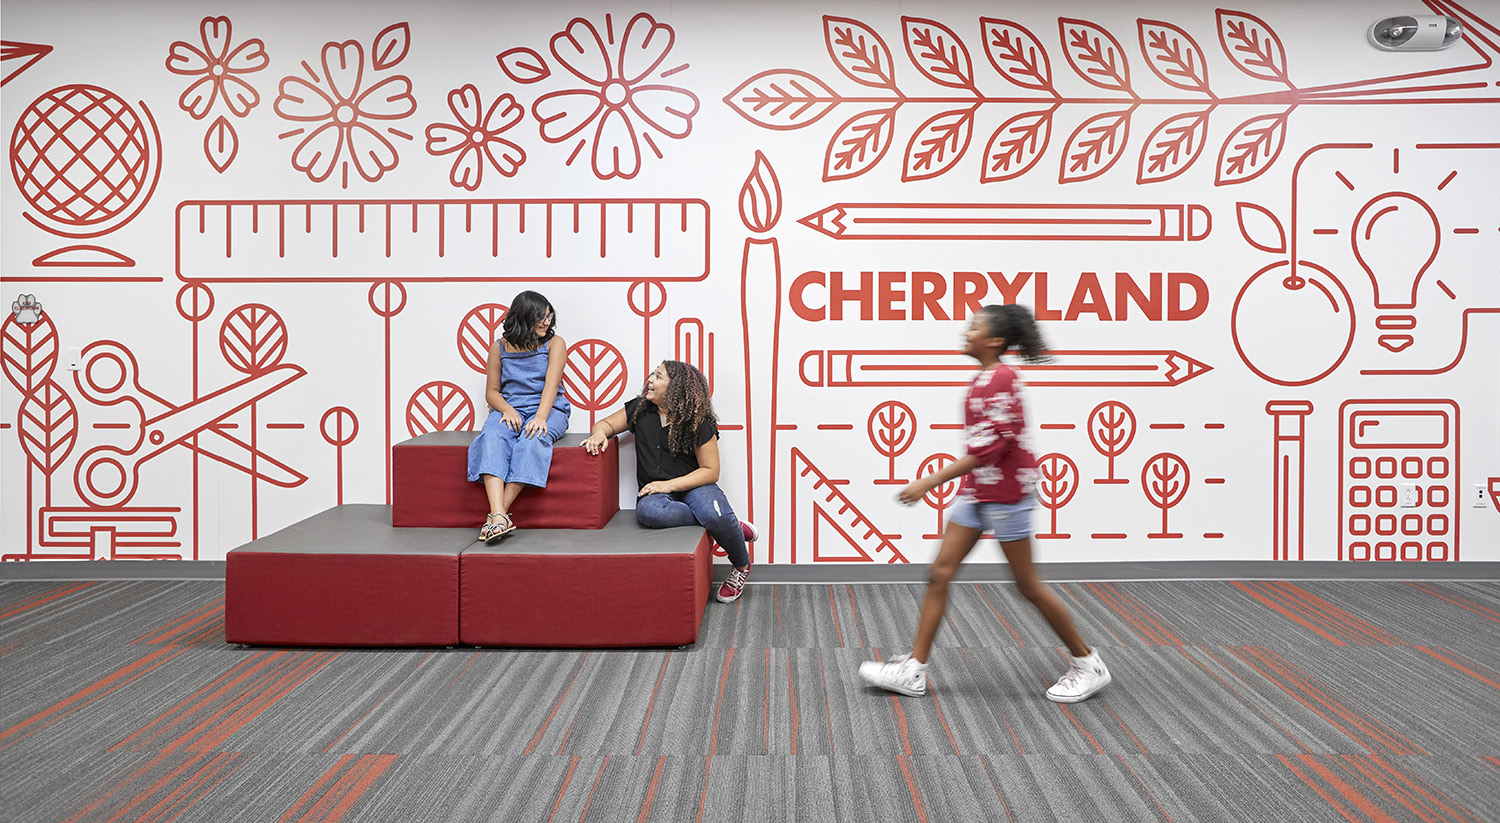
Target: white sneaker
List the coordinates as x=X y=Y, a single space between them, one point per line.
x=1083 y=680
x=902 y=675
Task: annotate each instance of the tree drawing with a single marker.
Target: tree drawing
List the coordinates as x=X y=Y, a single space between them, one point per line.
x=1164 y=479
x=253 y=339
x=439 y=406
x=479 y=329
x=892 y=427
x=1111 y=429
x=1056 y=485
x=942 y=494
x=594 y=376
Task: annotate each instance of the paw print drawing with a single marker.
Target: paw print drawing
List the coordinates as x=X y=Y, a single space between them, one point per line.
x=26 y=309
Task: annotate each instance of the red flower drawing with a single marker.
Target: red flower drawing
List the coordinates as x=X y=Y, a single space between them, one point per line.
x=619 y=103
x=216 y=66
x=476 y=137
x=344 y=113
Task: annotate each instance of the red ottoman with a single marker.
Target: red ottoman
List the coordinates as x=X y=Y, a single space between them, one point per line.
x=429 y=489
x=344 y=577
x=623 y=585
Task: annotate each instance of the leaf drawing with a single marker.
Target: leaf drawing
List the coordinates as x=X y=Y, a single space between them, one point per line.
x=1111 y=429
x=1017 y=54
x=892 y=427
x=48 y=426
x=938 y=144
x=1253 y=46
x=594 y=375
x=439 y=406
x=1261 y=228
x=523 y=65
x=859 y=144
x=391 y=45
x=1173 y=147
x=28 y=351
x=859 y=52
x=938 y=53
x=253 y=339
x=479 y=329
x=1095 y=54
x=1173 y=55
x=1017 y=145
x=783 y=99
x=221 y=144
x=1251 y=148
x=1095 y=145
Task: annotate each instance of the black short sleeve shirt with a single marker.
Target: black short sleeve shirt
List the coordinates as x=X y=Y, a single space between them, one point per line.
x=653 y=460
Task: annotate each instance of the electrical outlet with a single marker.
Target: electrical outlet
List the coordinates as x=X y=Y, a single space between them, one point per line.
x=1481 y=496
x=1409 y=496
x=75 y=354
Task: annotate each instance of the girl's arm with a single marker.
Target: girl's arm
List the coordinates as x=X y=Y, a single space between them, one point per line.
x=604 y=430
x=707 y=472
x=917 y=489
x=557 y=355
x=492 y=395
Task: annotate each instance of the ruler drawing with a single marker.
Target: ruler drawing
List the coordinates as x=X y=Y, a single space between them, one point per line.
x=363 y=241
x=831 y=507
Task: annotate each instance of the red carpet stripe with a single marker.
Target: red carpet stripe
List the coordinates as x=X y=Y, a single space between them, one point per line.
x=187 y=627
x=567 y=778
x=1143 y=620
x=1268 y=718
x=938 y=707
x=42 y=599
x=213 y=731
x=1465 y=669
x=536 y=738
x=1012 y=732
x=854 y=615
x=645 y=814
x=1356 y=627
x=911 y=786
x=1276 y=605
x=1488 y=614
x=791 y=694
x=377 y=705
x=1144 y=787
x=651 y=704
x=1371 y=789
x=592 y=787
x=231 y=682
x=984 y=761
x=1068 y=713
x=980 y=588
x=339 y=789
x=834 y=608
x=713 y=738
x=1316 y=614
x=1360 y=728
x=189 y=782
x=99 y=689
x=1411 y=792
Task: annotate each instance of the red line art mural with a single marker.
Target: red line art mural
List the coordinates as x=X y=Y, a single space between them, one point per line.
x=832 y=510
x=1011 y=221
x=695 y=346
x=87 y=163
x=625 y=95
x=1398 y=480
x=1111 y=427
x=892 y=427
x=475 y=136
x=532 y=240
x=352 y=118
x=339 y=426
x=220 y=67
x=940 y=496
x=439 y=406
x=46 y=420
x=1288 y=472
x=760 y=205
x=789 y=98
x=834 y=368
x=479 y=329
x=647 y=299
x=108 y=475
x=1164 y=479
x=22 y=55
x=595 y=376
x=1057 y=482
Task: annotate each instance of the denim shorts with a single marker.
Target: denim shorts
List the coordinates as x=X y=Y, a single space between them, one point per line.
x=1007 y=521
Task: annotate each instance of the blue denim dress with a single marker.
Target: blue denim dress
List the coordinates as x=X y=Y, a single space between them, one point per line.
x=510 y=455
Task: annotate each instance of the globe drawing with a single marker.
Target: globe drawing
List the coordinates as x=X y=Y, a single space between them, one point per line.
x=80 y=155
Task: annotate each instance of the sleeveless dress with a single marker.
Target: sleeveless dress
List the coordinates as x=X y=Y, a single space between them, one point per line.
x=510 y=455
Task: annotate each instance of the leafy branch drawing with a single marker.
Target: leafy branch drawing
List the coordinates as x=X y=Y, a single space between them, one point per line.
x=785 y=99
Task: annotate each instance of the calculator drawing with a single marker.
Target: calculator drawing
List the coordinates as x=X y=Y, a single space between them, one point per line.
x=1398 y=480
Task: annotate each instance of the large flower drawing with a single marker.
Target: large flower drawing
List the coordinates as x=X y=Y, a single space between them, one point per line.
x=216 y=66
x=619 y=103
x=344 y=113
x=476 y=137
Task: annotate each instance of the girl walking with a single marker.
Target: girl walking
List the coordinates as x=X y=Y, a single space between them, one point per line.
x=528 y=409
x=996 y=496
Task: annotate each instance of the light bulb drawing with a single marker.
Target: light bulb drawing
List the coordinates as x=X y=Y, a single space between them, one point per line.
x=1396 y=237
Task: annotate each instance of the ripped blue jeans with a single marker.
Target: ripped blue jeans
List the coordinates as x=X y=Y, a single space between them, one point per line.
x=704 y=506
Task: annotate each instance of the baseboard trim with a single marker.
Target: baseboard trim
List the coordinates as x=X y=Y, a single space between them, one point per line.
x=872 y=572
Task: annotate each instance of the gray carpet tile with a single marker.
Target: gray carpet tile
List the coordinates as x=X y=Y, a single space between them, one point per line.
x=1312 y=700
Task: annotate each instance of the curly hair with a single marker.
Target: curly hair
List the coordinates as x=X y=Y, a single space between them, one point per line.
x=688 y=405
x=519 y=325
x=1015 y=323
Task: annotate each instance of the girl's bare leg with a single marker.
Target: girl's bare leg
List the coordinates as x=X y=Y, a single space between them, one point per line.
x=508 y=497
x=958 y=541
x=494 y=489
x=1018 y=554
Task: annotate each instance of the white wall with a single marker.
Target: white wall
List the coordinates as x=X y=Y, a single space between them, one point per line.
x=1340 y=126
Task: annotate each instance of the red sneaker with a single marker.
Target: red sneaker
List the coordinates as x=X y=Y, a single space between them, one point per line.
x=749 y=530
x=734 y=584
